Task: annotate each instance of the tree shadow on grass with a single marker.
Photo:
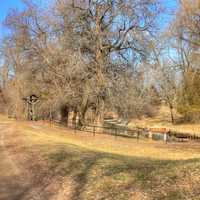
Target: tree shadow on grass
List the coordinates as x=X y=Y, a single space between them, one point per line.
x=13 y=188
x=18 y=182
x=98 y=175
x=109 y=176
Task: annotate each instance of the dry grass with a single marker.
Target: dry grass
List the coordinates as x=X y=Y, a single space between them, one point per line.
x=44 y=133
x=162 y=120
x=105 y=168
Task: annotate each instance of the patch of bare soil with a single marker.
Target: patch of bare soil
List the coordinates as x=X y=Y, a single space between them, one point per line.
x=24 y=174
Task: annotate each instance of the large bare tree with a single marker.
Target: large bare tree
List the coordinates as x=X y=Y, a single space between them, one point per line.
x=76 y=54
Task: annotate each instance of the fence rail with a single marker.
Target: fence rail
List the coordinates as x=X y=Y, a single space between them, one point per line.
x=183 y=136
x=123 y=132
x=137 y=133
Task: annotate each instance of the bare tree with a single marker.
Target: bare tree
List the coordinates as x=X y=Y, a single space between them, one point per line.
x=76 y=54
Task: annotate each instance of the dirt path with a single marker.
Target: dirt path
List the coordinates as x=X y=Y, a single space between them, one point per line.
x=16 y=182
x=21 y=177
x=12 y=185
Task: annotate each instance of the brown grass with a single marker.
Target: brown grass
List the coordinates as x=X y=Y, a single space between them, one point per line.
x=162 y=120
x=102 y=167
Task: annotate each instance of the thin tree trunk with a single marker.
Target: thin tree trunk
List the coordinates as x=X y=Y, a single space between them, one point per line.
x=64 y=115
x=82 y=113
x=100 y=116
x=74 y=117
x=172 y=114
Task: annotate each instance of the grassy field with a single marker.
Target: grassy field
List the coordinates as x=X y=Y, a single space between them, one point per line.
x=105 y=168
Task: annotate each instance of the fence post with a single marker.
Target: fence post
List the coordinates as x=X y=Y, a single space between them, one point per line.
x=165 y=137
x=150 y=135
x=93 y=130
x=115 y=133
x=138 y=135
x=75 y=128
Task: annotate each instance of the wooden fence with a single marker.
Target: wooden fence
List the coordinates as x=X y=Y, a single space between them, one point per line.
x=184 y=136
x=123 y=132
x=137 y=133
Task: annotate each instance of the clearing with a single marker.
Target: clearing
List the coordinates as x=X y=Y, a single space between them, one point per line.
x=43 y=162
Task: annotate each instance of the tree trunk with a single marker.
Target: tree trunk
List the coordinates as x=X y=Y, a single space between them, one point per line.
x=64 y=115
x=171 y=113
x=81 y=119
x=74 y=117
x=100 y=116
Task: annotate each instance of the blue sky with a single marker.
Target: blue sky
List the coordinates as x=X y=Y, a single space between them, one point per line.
x=6 y=5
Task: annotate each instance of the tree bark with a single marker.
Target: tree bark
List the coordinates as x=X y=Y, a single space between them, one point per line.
x=82 y=113
x=64 y=115
x=74 y=117
x=171 y=113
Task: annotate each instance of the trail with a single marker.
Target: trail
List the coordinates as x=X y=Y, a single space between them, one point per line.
x=12 y=186
x=18 y=181
x=15 y=182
